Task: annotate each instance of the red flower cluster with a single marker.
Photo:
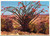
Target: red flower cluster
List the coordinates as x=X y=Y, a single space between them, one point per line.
x=46 y=10
x=34 y=1
x=29 y=17
x=43 y=9
x=22 y=7
x=4 y=8
x=7 y=7
x=39 y=4
x=43 y=12
x=38 y=1
x=3 y=15
x=33 y=10
x=39 y=14
x=12 y=9
x=19 y=3
x=1 y=9
x=25 y=15
x=19 y=14
x=13 y=13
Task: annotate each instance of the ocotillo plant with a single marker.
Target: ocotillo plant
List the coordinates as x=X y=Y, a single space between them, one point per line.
x=26 y=13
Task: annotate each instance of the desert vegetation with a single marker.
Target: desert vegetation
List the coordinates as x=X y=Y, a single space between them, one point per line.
x=25 y=19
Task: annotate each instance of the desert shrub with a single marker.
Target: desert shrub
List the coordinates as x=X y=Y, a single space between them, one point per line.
x=26 y=14
x=39 y=28
x=6 y=25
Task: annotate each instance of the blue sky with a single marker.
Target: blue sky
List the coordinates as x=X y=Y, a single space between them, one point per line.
x=15 y=4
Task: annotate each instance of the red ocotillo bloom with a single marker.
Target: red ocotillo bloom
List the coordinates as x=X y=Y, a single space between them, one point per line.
x=19 y=3
x=43 y=9
x=4 y=8
x=13 y=13
x=46 y=10
x=12 y=9
x=29 y=17
x=38 y=1
x=22 y=7
x=33 y=10
x=19 y=14
x=39 y=4
x=7 y=7
x=39 y=14
x=34 y=1
x=1 y=9
x=43 y=12
x=25 y=15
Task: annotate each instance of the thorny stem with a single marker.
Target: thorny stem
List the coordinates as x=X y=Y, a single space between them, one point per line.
x=35 y=18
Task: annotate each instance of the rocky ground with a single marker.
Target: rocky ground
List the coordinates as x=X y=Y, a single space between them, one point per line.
x=18 y=32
